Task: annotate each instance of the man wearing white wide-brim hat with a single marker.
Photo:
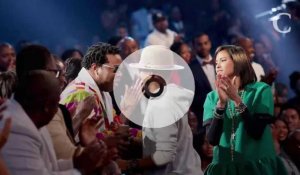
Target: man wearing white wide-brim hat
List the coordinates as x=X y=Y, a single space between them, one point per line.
x=167 y=137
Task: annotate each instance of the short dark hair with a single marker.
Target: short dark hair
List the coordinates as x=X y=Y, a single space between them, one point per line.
x=176 y=46
x=289 y=106
x=73 y=67
x=198 y=35
x=69 y=52
x=97 y=54
x=32 y=57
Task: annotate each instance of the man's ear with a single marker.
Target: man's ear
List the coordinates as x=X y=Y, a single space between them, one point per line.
x=94 y=69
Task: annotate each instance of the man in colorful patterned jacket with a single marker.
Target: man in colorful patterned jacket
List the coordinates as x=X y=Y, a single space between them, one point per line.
x=96 y=79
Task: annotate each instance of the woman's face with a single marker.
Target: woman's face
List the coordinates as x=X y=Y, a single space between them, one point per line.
x=291 y=116
x=207 y=149
x=281 y=130
x=224 y=64
x=185 y=53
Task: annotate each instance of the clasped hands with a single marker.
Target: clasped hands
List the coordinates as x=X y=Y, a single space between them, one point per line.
x=227 y=89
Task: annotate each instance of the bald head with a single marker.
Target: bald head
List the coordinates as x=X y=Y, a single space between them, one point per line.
x=127 y=46
x=38 y=93
x=247 y=45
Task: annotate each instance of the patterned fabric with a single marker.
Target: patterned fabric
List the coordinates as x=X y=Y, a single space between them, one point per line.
x=84 y=86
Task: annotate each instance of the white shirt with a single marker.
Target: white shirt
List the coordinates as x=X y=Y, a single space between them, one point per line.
x=140 y=26
x=158 y=38
x=258 y=69
x=30 y=151
x=209 y=71
x=170 y=147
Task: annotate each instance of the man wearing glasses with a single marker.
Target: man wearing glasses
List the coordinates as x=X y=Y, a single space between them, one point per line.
x=96 y=79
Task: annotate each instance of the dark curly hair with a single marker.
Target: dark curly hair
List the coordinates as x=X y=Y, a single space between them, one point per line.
x=97 y=54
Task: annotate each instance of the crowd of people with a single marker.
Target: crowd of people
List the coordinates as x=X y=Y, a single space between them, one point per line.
x=58 y=114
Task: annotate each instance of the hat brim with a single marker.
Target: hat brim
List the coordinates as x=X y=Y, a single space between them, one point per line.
x=158 y=67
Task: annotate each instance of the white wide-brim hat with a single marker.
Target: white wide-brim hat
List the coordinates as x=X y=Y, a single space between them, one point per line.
x=157 y=57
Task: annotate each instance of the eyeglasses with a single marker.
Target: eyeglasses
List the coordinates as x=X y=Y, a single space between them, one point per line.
x=115 y=67
x=56 y=71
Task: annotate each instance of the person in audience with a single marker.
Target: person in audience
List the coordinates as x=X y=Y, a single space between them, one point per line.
x=291 y=147
x=247 y=45
x=280 y=95
x=36 y=57
x=204 y=148
x=122 y=31
x=291 y=115
x=161 y=35
x=193 y=122
x=295 y=86
x=4 y=134
x=72 y=68
x=62 y=74
x=203 y=70
x=127 y=46
x=280 y=133
x=176 y=22
x=71 y=53
x=29 y=149
x=8 y=83
x=236 y=116
x=183 y=50
x=95 y=79
x=7 y=57
x=167 y=149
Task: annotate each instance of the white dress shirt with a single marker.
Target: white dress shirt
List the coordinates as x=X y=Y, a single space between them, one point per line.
x=258 y=69
x=158 y=38
x=209 y=71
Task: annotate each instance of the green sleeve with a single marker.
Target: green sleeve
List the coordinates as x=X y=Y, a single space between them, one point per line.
x=263 y=101
x=209 y=107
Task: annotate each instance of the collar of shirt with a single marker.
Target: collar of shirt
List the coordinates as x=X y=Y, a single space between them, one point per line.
x=205 y=62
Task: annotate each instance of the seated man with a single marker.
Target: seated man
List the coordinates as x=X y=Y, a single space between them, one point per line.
x=29 y=149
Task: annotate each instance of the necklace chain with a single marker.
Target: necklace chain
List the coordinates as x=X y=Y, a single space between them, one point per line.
x=232 y=115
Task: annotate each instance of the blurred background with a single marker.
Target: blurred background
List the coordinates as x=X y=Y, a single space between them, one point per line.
x=61 y=25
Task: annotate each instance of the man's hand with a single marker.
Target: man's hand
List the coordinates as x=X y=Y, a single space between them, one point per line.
x=88 y=131
x=91 y=158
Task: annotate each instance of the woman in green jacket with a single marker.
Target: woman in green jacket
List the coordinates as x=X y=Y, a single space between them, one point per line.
x=236 y=116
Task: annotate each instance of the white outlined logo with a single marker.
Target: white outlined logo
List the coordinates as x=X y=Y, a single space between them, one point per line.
x=275 y=19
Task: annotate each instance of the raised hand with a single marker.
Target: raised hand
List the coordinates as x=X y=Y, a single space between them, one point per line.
x=231 y=87
x=220 y=87
x=132 y=97
x=92 y=157
x=88 y=131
